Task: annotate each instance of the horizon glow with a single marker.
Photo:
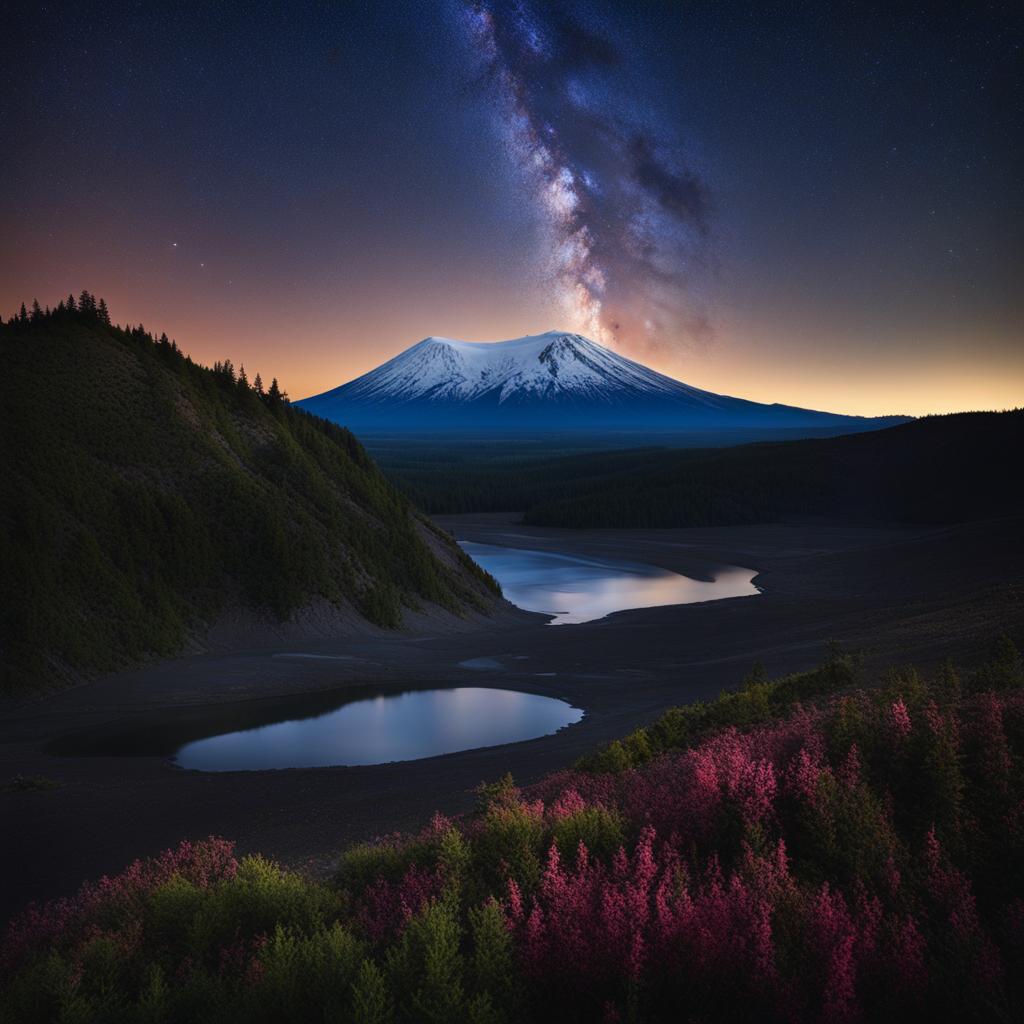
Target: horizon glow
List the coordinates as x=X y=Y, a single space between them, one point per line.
x=772 y=206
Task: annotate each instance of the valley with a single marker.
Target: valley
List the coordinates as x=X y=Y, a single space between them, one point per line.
x=896 y=593
x=527 y=528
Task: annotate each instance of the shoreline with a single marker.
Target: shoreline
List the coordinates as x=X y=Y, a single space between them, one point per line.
x=899 y=594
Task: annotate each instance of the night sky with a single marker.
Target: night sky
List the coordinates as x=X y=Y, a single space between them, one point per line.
x=818 y=204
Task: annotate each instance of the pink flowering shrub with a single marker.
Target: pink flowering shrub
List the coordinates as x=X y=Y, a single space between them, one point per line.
x=104 y=905
x=778 y=855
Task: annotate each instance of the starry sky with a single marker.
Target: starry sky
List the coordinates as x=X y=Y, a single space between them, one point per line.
x=812 y=203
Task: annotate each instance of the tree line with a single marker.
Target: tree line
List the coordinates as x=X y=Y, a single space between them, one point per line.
x=90 y=311
x=87 y=309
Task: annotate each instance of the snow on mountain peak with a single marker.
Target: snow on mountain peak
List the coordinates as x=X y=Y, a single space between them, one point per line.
x=556 y=380
x=556 y=363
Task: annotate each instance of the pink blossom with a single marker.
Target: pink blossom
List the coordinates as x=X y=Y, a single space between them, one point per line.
x=899 y=719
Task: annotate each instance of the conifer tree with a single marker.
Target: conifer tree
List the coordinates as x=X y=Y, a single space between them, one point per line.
x=71 y=307
x=274 y=394
x=103 y=313
x=257 y=385
x=371 y=1000
x=23 y=314
x=37 y=313
x=243 y=380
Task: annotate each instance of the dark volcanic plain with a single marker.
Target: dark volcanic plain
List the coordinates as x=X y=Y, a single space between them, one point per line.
x=895 y=593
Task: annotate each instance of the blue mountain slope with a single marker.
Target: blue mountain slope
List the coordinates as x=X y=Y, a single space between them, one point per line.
x=553 y=381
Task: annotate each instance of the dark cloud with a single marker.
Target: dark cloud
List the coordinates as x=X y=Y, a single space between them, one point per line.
x=683 y=195
x=628 y=218
x=577 y=46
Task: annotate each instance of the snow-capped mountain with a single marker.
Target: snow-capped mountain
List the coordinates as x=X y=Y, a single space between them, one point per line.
x=546 y=381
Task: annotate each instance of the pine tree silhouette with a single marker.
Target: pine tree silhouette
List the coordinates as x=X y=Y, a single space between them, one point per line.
x=103 y=313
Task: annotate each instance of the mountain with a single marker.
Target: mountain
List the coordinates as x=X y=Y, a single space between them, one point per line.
x=145 y=497
x=553 y=381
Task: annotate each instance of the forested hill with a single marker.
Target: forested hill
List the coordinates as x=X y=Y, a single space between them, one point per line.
x=937 y=469
x=144 y=494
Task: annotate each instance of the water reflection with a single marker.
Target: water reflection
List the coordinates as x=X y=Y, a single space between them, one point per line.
x=398 y=727
x=576 y=589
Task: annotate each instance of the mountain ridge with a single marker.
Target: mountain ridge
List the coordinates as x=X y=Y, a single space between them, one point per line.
x=145 y=497
x=554 y=380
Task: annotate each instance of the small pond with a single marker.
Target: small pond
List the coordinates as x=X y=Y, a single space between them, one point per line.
x=379 y=729
x=370 y=725
x=577 y=589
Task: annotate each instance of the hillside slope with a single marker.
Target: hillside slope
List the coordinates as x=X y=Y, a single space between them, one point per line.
x=145 y=495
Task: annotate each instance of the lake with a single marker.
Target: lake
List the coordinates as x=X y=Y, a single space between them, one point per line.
x=575 y=589
x=384 y=728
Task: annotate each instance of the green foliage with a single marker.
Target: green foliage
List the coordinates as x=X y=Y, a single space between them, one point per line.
x=847 y=835
x=454 y=855
x=509 y=845
x=757 y=702
x=307 y=977
x=884 y=805
x=1004 y=669
x=427 y=966
x=600 y=830
x=362 y=863
x=613 y=758
x=503 y=791
x=259 y=898
x=492 y=966
x=144 y=494
x=371 y=996
x=30 y=784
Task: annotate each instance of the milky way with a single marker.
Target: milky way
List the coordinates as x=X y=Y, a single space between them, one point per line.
x=625 y=219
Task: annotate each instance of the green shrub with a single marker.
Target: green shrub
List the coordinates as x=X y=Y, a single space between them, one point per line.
x=492 y=967
x=307 y=977
x=509 y=844
x=1004 y=669
x=371 y=996
x=363 y=863
x=601 y=831
x=259 y=898
x=427 y=968
x=757 y=702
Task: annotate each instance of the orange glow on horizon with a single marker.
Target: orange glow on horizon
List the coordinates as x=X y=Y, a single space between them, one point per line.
x=314 y=349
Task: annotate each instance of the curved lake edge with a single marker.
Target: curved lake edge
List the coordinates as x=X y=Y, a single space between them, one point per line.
x=580 y=587
x=161 y=736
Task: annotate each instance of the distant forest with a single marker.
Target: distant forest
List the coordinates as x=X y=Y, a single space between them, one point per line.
x=143 y=494
x=936 y=469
